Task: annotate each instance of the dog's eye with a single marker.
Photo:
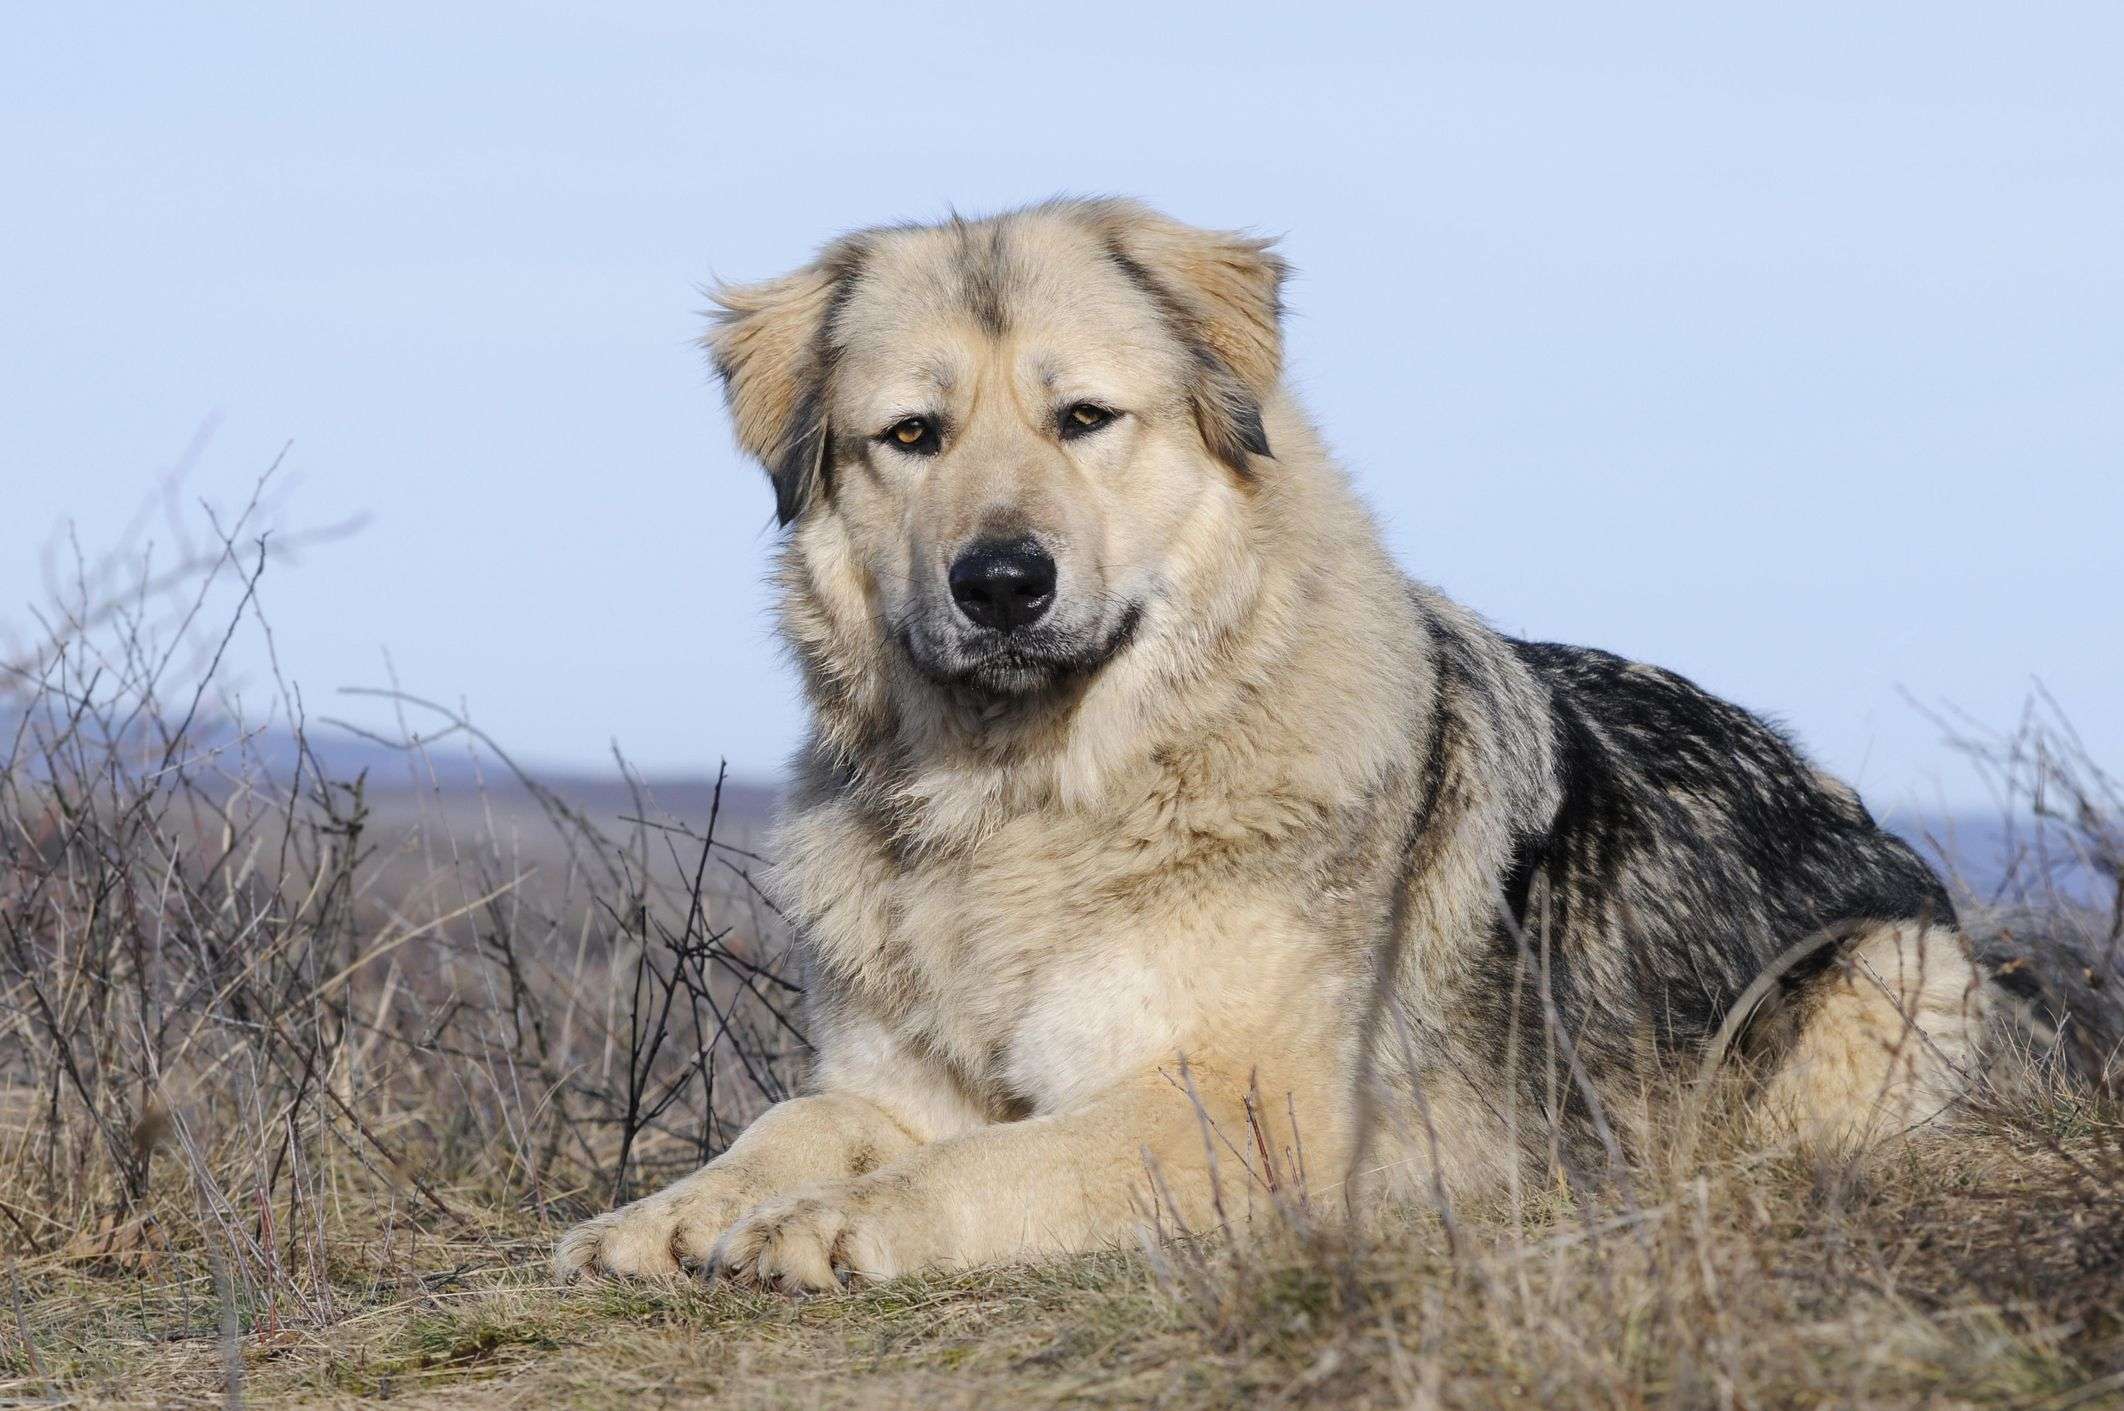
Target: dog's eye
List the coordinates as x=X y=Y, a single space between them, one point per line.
x=1083 y=418
x=916 y=435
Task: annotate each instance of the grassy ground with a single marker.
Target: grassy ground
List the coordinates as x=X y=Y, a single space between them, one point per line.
x=1983 y=1271
x=296 y=1094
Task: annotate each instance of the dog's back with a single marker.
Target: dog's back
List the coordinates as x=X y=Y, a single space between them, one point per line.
x=1683 y=883
x=1698 y=835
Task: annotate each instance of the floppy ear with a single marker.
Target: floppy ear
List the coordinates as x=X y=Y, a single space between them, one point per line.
x=769 y=342
x=1223 y=294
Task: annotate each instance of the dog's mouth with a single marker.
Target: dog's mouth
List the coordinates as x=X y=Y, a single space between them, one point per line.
x=1028 y=662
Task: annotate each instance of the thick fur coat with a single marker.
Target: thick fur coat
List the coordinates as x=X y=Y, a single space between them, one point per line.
x=1157 y=839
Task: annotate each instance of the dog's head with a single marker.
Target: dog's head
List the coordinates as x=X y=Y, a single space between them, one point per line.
x=1003 y=444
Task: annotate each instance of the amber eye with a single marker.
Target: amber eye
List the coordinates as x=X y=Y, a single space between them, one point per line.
x=1084 y=417
x=917 y=435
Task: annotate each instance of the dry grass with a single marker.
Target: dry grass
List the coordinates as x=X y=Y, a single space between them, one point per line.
x=1983 y=1275
x=293 y=1103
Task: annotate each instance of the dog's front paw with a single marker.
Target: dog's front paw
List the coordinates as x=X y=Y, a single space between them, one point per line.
x=821 y=1238
x=660 y=1234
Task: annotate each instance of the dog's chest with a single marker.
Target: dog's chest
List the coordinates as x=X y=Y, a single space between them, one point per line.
x=1037 y=971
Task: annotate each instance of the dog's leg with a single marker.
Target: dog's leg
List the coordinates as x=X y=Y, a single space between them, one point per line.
x=876 y=1102
x=1886 y=1045
x=802 y=1140
x=1173 y=1148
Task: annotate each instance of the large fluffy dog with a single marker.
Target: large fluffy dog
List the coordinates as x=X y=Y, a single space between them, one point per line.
x=1153 y=825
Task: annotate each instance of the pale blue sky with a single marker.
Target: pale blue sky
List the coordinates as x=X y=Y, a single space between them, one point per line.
x=1785 y=348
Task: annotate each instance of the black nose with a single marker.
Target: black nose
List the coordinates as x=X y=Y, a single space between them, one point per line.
x=1004 y=583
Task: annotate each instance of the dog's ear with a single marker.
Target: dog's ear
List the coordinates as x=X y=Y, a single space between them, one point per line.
x=771 y=345
x=1222 y=292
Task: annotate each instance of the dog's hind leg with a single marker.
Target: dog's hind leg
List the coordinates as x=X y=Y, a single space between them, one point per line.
x=1886 y=1042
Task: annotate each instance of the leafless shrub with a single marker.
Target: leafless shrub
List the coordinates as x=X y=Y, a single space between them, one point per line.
x=2052 y=926
x=241 y=1013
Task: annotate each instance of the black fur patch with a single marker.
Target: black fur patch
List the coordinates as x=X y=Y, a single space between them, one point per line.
x=1690 y=845
x=1723 y=839
x=801 y=467
x=805 y=467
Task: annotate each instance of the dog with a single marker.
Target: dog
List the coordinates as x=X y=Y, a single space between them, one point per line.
x=1153 y=824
